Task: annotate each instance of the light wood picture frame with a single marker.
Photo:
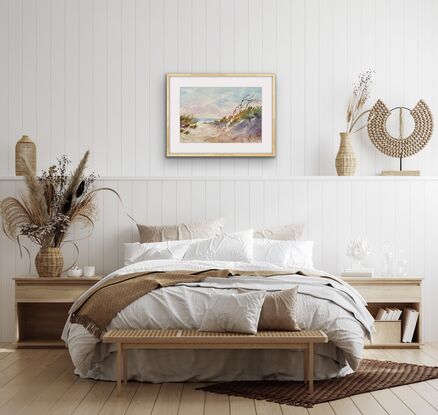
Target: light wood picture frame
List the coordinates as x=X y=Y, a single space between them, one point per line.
x=220 y=115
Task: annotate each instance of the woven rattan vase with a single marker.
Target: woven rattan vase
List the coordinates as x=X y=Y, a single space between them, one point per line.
x=25 y=148
x=49 y=262
x=345 y=159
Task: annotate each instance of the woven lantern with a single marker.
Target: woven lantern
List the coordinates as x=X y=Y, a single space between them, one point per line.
x=25 y=148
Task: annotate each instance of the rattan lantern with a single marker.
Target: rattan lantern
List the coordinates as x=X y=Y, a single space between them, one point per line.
x=403 y=146
x=25 y=149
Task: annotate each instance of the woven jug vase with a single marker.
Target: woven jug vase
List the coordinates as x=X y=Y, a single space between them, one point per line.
x=49 y=262
x=345 y=159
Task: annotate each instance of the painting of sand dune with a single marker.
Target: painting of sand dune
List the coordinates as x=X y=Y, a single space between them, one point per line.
x=220 y=114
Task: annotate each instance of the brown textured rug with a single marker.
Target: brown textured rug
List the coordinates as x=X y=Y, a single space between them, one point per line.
x=372 y=375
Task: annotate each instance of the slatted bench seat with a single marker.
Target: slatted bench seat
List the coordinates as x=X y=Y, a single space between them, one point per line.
x=193 y=339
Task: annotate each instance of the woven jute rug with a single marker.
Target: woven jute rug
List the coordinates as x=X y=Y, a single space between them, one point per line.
x=372 y=375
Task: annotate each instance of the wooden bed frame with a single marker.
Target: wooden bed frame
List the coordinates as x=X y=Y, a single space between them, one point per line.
x=193 y=339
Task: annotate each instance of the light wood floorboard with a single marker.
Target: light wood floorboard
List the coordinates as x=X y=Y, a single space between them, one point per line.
x=38 y=382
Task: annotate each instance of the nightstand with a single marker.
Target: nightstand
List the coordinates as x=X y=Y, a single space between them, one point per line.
x=42 y=306
x=397 y=292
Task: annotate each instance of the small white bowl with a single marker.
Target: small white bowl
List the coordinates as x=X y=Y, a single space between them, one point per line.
x=74 y=272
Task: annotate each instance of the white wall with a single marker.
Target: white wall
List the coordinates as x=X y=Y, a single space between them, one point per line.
x=78 y=74
x=90 y=74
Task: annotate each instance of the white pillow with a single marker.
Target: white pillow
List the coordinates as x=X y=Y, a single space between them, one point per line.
x=136 y=252
x=301 y=254
x=274 y=252
x=239 y=313
x=236 y=246
x=290 y=254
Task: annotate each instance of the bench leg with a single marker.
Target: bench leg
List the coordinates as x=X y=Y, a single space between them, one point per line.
x=125 y=365
x=119 y=368
x=306 y=364
x=310 y=367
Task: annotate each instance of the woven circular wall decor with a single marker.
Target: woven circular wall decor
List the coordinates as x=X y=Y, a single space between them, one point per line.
x=400 y=147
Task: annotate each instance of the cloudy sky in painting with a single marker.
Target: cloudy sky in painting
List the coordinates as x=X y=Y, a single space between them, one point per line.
x=214 y=102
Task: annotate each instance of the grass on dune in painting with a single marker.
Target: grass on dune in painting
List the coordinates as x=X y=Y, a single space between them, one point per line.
x=221 y=115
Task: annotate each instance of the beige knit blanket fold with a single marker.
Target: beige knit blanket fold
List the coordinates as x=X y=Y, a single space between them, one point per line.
x=96 y=310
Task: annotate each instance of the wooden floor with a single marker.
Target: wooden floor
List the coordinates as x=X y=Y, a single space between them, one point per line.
x=42 y=382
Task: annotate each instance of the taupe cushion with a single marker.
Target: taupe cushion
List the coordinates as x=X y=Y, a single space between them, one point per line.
x=279 y=310
x=183 y=231
x=287 y=232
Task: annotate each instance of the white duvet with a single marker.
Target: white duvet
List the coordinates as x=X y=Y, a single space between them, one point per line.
x=324 y=303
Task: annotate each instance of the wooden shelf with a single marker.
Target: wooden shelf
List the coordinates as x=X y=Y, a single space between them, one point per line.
x=42 y=306
x=397 y=292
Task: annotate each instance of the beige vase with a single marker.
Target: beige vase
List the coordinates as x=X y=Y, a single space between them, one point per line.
x=345 y=159
x=49 y=262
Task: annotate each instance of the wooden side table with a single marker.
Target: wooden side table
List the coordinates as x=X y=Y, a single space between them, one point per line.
x=42 y=306
x=397 y=292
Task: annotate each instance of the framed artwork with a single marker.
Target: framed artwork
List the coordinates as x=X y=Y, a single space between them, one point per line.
x=220 y=115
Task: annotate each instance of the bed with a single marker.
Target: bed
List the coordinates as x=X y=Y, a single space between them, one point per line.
x=324 y=303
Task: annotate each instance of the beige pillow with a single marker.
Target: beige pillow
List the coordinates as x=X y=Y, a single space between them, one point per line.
x=279 y=310
x=287 y=232
x=161 y=233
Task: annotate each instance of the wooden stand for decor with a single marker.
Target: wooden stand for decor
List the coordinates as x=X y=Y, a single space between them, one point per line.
x=400 y=147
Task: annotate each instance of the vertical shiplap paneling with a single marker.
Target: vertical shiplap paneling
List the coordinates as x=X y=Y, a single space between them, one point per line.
x=198 y=201
x=44 y=83
x=111 y=231
x=15 y=76
x=100 y=86
x=343 y=220
x=256 y=203
x=127 y=231
x=114 y=86
x=325 y=125
x=184 y=202
x=29 y=18
x=142 y=86
x=242 y=204
x=83 y=62
x=315 y=225
x=270 y=202
x=298 y=56
x=170 y=205
x=128 y=87
x=78 y=101
x=4 y=86
x=283 y=70
x=57 y=79
x=102 y=63
x=401 y=211
x=310 y=100
x=329 y=225
x=227 y=203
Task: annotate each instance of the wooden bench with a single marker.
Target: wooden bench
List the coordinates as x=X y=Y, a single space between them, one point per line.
x=193 y=339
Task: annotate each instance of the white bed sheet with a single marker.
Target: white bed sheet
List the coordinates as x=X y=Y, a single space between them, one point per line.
x=323 y=303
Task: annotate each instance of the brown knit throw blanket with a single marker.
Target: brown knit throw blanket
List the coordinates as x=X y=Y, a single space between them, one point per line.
x=96 y=310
